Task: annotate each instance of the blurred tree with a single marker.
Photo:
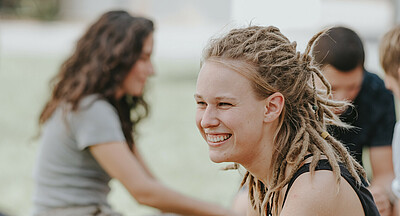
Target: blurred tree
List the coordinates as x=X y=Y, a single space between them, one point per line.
x=35 y=9
x=7 y=7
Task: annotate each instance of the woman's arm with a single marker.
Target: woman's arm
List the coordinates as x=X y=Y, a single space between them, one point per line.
x=120 y=163
x=383 y=175
x=141 y=161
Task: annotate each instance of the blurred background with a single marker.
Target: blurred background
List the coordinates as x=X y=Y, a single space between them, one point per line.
x=37 y=35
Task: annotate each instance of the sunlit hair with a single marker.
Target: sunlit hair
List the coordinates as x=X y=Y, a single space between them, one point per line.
x=270 y=61
x=389 y=52
x=102 y=59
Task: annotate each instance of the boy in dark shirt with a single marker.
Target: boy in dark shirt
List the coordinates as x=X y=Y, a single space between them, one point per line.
x=341 y=56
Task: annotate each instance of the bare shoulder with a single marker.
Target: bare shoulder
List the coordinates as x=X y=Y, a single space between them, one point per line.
x=319 y=194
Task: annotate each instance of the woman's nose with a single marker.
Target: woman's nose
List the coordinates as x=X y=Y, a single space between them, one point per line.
x=209 y=118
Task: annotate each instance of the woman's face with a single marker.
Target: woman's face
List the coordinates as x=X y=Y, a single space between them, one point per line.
x=136 y=79
x=229 y=116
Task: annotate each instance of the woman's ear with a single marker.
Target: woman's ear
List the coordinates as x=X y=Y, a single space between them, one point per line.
x=273 y=106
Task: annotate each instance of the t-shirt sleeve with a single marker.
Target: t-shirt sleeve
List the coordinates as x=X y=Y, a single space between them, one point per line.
x=396 y=160
x=384 y=128
x=96 y=123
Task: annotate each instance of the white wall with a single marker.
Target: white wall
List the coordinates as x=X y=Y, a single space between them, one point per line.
x=183 y=27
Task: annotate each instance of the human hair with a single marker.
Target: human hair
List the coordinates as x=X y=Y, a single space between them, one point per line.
x=389 y=52
x=270 y=61
x=341 y=48
x=99 y=64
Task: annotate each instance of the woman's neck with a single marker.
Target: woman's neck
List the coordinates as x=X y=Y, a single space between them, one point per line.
x=259 y=163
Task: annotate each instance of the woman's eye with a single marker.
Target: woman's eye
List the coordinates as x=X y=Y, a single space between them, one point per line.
x=224 y=104
x=201 y=103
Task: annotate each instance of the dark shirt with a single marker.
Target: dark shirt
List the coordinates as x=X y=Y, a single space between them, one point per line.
x=373 y=116
x=361 y=190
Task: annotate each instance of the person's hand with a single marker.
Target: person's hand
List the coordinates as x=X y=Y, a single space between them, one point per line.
x=382 y=200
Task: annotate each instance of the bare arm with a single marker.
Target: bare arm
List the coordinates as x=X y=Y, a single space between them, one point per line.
x=141 y=161
x=119 y=162
x=383 y=175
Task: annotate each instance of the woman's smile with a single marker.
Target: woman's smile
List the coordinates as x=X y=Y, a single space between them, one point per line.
x=217 y=139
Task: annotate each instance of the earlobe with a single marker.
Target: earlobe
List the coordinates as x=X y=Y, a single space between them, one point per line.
x=273 y=107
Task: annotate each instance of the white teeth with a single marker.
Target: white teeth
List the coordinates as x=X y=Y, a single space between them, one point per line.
x=217 y=138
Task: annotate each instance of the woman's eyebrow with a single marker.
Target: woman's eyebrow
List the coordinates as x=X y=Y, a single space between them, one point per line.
x=225 y=98
x=197 y=96
x=219 y=98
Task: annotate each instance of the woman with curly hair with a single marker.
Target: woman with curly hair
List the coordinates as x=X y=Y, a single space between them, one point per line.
x=258 y=106
x=87 y=124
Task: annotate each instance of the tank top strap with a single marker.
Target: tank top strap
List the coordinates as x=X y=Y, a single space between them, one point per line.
x=361 y=190
x=322 y=165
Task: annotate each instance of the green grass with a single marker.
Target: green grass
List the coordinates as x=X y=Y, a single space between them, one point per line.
x=168 y=139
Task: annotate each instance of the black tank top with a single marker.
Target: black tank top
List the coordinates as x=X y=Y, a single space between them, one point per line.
x=363 y=193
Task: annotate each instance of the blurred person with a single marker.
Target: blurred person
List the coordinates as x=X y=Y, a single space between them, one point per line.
x=389 y=54
x=341 y=56
x=258 y=106
x=87 y=124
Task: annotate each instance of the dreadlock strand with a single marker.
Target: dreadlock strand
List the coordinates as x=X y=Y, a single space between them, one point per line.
x=323 y=79
x=299 y=143
x=311 y=42
x=315 y=159
x=297 y=163
x=251 y=190
x=347 y=159
x=322 y=145
x=245 y=178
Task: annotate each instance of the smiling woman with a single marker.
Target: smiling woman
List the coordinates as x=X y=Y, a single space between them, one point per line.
x=258 y=106
x=88 y=123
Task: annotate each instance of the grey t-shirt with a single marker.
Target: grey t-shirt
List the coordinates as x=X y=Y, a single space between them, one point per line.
x=66 y=174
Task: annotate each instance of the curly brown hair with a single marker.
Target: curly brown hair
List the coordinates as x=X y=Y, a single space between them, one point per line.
x=270 y=61
x=102 y=59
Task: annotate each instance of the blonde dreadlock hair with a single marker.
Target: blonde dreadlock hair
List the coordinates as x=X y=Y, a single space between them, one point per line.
x=272 y=64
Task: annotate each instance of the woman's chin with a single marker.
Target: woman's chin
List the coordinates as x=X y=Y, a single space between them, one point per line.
x=218 y=157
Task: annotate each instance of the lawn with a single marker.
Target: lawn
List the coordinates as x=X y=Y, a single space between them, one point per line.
x=168 y=139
